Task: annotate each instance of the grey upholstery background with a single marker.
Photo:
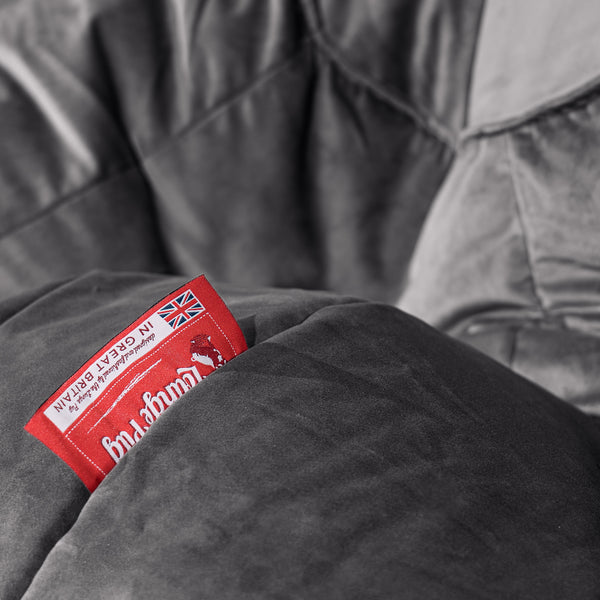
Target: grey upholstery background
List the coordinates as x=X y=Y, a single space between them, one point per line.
x=240 y=139
x=351 y=452
x=321 y=161
x=509 y=259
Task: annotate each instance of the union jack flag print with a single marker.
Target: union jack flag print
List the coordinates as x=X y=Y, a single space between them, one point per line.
x=181 y=309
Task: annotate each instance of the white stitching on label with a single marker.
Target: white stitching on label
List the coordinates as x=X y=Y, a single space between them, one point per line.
x=223 y=334
x=137 y=364
x=127 y=389
x=86 y=456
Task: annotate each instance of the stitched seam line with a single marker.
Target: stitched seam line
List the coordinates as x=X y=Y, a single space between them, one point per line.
x=329 y=50
x=85 y=455
x=520 y=211
x=472 y=65
x=265 y=77
x=223 y=334
x=513 y=348
x=86 y=189
x=572 y=100
x=139 y=159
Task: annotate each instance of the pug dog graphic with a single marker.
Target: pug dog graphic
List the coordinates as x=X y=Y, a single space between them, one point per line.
x=204 y=352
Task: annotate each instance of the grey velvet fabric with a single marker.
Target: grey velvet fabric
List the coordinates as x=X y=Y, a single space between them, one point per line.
x=246 y=140
x=351 y=452
x=532 y=55
x=509 y=258
x=46 y=337
x=281 y=147
x=513 y=242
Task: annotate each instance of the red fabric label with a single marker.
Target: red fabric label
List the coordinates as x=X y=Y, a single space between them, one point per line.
x=105 y=408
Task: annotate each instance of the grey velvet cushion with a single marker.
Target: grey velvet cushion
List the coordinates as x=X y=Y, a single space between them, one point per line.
x=509 y=259
x=290 y=144
x=351 y=452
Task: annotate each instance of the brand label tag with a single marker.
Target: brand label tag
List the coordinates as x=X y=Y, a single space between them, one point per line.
x=105 y=408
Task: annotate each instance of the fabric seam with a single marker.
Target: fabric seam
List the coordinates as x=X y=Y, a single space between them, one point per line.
x=574 y=99
x=260 y=79
x=513 y=348
x=139 y=158
x=77 y=194
x=520 y=212
x=329 y=49
x=467 y=109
